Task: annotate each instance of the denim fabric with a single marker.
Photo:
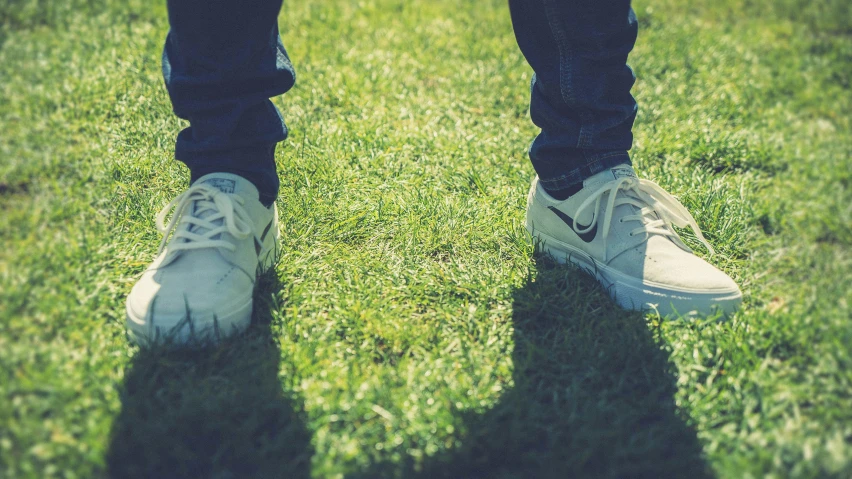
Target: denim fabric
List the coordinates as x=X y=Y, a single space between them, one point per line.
x=580 y=92
x=224 y=59
x=222 y=62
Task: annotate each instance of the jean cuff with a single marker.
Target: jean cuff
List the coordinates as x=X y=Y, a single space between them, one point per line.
x=595 y=162
x=256 y=164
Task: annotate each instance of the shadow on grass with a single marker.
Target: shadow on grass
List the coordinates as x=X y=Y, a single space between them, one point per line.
x=593 y=394
x=217 y=412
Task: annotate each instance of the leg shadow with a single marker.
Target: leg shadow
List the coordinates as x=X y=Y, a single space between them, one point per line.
x=217 y=412
x=593 y=394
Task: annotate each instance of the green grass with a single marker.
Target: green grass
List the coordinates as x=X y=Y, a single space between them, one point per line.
x=409 y=329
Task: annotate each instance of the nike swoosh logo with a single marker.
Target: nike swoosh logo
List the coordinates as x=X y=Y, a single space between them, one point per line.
x=266 y=230
x=258 y=245
x=588 y=236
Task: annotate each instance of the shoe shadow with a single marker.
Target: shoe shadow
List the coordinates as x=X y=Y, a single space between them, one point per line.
x=593 y=394
x=214 y=412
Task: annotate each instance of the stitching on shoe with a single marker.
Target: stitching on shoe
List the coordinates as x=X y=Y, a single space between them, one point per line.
x=228 y=273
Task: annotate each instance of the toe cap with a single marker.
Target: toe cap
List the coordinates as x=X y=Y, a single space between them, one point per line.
x=661 y=263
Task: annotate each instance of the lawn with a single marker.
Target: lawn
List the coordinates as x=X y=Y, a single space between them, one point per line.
x=410 y=329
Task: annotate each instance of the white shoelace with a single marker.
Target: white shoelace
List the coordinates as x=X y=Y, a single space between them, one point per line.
x=651 y=200
x=213 y=213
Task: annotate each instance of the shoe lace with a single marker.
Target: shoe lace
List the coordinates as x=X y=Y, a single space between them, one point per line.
x=658 y=210
x=207 y=213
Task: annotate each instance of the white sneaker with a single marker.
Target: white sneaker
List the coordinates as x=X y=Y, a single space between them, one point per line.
x=619 y=229
x=201 y=285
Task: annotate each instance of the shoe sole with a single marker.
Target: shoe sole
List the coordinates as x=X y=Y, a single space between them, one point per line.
x=637 y=295
x=201 y=328
x=209 y=327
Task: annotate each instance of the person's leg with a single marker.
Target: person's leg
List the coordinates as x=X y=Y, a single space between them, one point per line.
x=222 y=61
x=580 y=93
x=586 y=205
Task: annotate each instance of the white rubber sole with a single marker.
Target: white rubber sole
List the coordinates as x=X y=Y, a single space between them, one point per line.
x=200 y=328
x=205 y=327
x=638 y=295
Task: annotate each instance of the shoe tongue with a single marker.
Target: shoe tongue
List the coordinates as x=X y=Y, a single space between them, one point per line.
x=231 y=184
x=226 y=183
x=605 y=176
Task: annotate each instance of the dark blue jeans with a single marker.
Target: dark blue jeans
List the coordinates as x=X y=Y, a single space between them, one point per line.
x=223 y=60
